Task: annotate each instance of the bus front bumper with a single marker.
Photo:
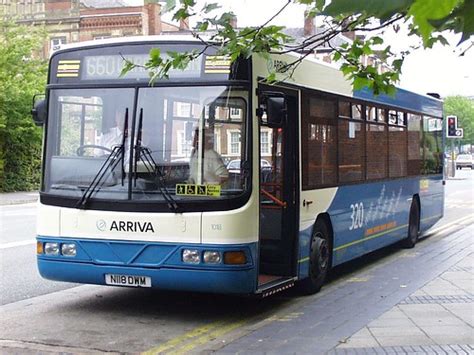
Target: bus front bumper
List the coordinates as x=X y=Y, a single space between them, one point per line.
x=160 y=264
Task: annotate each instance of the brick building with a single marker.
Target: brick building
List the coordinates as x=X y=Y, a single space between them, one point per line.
x=70 y=21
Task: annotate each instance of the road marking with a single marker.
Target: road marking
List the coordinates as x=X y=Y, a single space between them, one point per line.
x=175 y=342
x=449 y=225
x=17 y=244
x=186 y=349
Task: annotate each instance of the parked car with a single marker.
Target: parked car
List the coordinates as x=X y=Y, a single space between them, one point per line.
x=464 y=161
x=234 y=165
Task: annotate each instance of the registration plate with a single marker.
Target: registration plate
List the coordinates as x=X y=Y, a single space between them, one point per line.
x=128 y=280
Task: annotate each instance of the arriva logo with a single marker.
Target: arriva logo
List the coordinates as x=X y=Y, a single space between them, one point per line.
x=101 y=225
x=125 y=226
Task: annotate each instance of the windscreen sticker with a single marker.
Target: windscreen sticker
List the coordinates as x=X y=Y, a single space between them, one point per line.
x=217 y=64
x=198 y=190
x=68 y=68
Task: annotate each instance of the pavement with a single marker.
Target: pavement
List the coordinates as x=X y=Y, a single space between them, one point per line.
x=16 y=198
x=436 y=319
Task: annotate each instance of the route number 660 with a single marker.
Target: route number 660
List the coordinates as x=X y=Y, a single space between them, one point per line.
x=357 y=216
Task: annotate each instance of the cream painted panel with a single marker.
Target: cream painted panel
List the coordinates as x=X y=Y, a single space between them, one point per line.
x=231 y=227
x=321 y=200
x=48 y=220
x=156 y=227
x=311 y=73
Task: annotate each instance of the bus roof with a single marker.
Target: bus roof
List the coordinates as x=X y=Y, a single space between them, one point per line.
x=128 y=40
x=403 y=98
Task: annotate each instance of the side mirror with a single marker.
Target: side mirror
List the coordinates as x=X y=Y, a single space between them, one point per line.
x=273 y=112
x=39 y=111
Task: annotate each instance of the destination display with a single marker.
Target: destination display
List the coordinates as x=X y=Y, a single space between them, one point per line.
x=109 y=67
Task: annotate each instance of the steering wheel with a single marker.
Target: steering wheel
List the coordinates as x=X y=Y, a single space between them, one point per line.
x=80 y=149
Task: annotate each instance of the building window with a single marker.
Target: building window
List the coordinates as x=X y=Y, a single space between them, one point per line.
x=236 y=113
x=233 y=146
x=56 y=42
x=98 y=37
x=182 y=109
x=184 y=146
x=265 y=139
x=371 y=114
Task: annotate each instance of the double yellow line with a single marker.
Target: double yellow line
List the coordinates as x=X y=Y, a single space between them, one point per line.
x=196 y=337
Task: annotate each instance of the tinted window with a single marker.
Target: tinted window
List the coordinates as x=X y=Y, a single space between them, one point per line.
x=397 y=141
x=318 y=141
x=376 y=151
x=351 y=150
x=414 y=144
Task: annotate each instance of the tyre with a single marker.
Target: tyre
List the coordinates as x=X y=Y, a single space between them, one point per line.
x=413 y=225
x=319 y=259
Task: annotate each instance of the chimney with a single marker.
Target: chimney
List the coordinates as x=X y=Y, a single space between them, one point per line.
x=349 y=34
x=154 y=17
x=184 y=25
x=309 y=28
x=233 y=21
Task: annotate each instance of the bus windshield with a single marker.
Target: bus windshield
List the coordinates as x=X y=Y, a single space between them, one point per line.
x=180 y=139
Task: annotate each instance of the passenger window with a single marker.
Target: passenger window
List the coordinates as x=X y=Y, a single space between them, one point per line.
x=319 y=149
x=351 y=150
x=397 y=142
x=376 y=151
x=415 y=156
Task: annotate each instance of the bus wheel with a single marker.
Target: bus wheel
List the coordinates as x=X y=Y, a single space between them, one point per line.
x=319 y=259
x=413 y=225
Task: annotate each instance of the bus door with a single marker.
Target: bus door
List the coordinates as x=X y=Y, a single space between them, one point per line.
x=278 y=161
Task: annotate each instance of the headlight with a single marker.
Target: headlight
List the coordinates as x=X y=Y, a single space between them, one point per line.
x=212 y=257
x=191 y=256
x=51 y=248
x=68 y=249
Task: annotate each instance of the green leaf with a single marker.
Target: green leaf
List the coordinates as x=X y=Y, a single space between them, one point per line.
x=188 y=2
x=202 y=26
x=377 y=40
x=360 y=82
x=210 y=7
x=376 y=8
x=397 y=64
x=170 y=5
x=127 y=66
x=181 y=14
x=155 y=53
x=423 y=11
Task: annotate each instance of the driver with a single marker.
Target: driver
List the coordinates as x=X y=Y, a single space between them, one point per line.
x=214 y=170
x=114 y=135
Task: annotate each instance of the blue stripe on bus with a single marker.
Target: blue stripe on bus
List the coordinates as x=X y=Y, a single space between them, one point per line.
x=405 y=99
x=386 y=207
x=160 y=261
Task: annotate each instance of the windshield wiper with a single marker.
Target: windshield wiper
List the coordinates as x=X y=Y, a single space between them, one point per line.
x=116 y=156
x=144 y=154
